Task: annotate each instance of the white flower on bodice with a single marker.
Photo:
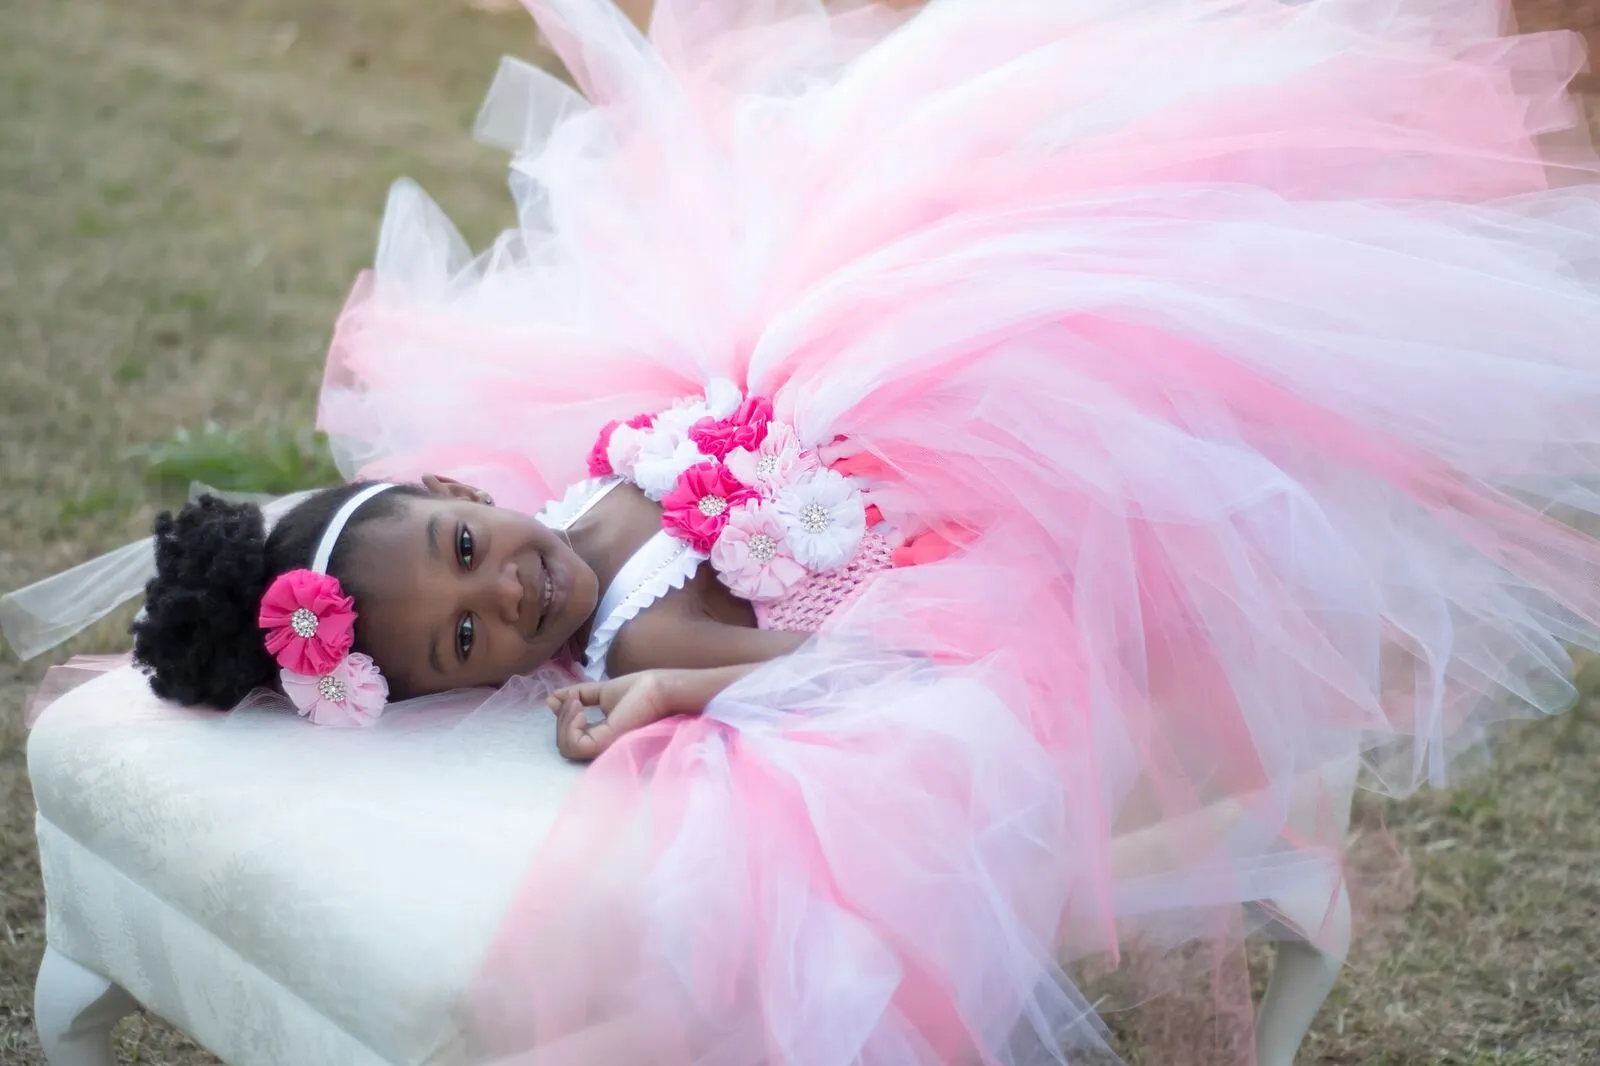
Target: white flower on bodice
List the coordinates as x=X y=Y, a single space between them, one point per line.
x=666 y=454
x=825 y=518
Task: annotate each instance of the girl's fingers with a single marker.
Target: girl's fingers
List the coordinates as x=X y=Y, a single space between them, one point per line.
x=579 y=739
x=588 y=693
x=572 y=732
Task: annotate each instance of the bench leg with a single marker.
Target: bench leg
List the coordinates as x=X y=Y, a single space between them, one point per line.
x=74 y=1009
x=1303 y=973
x=1314 y=939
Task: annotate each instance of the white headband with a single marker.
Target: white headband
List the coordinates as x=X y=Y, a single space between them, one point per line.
x=330 y=536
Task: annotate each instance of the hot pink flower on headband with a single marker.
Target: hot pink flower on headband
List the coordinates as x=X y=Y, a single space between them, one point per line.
x=310 y=622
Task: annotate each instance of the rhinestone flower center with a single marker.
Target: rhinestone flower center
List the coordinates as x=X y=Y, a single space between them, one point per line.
x=814 y=518
x=763 y=549
x=713 y=506
x=330 y=688
x=303 y=622
x=767 y=466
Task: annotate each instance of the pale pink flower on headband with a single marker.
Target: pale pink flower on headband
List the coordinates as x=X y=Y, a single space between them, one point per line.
x=310 y=626
x=310 y=622
x=352 y=694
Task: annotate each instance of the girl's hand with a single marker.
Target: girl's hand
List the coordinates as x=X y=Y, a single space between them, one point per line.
x=450 y=489
x=629 y=702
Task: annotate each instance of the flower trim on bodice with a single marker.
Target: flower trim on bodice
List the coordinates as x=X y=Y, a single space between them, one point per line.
x=737 y=486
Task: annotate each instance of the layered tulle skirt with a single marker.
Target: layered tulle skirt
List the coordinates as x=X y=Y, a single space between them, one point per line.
x=1245 y=353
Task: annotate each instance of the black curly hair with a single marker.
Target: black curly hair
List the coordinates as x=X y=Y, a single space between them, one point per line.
x=197 y=637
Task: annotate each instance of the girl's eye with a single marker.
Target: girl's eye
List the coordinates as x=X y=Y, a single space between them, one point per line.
x=464 y=632
x=464 y=547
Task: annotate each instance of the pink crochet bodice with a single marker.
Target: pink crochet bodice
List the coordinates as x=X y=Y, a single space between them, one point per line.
x=814 y=601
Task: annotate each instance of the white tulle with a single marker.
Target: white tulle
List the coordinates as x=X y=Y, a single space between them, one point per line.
x=47 y=613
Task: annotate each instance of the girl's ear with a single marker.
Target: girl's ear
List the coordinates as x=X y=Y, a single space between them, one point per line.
x=450 y=489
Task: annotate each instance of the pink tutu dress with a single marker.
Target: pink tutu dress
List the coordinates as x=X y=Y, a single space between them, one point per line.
x=1242 y=355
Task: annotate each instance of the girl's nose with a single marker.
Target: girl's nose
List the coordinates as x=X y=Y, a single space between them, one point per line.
x=512 y=591
x=503 y=593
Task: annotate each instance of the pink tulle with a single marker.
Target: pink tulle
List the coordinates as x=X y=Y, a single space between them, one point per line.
x=62 y=679
x=1227 y=366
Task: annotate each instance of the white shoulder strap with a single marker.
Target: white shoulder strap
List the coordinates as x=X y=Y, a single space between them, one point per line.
x=662 y=564
x=578 y=501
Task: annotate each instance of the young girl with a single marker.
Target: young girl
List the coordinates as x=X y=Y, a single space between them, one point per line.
x=454 y=593
x=1149 y=404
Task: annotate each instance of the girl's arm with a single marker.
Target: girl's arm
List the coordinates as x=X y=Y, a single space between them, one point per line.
x=663 y=663
x=667 y=640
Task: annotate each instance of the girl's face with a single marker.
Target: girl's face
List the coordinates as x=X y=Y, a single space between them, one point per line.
x=458 y=594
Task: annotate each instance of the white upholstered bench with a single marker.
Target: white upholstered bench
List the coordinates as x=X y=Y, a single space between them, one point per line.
x=278 y=913
x=288 y=895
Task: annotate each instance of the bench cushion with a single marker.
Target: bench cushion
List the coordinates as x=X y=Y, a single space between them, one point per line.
x=285 y=893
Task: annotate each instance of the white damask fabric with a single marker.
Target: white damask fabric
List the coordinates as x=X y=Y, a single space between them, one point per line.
x=287 y=894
